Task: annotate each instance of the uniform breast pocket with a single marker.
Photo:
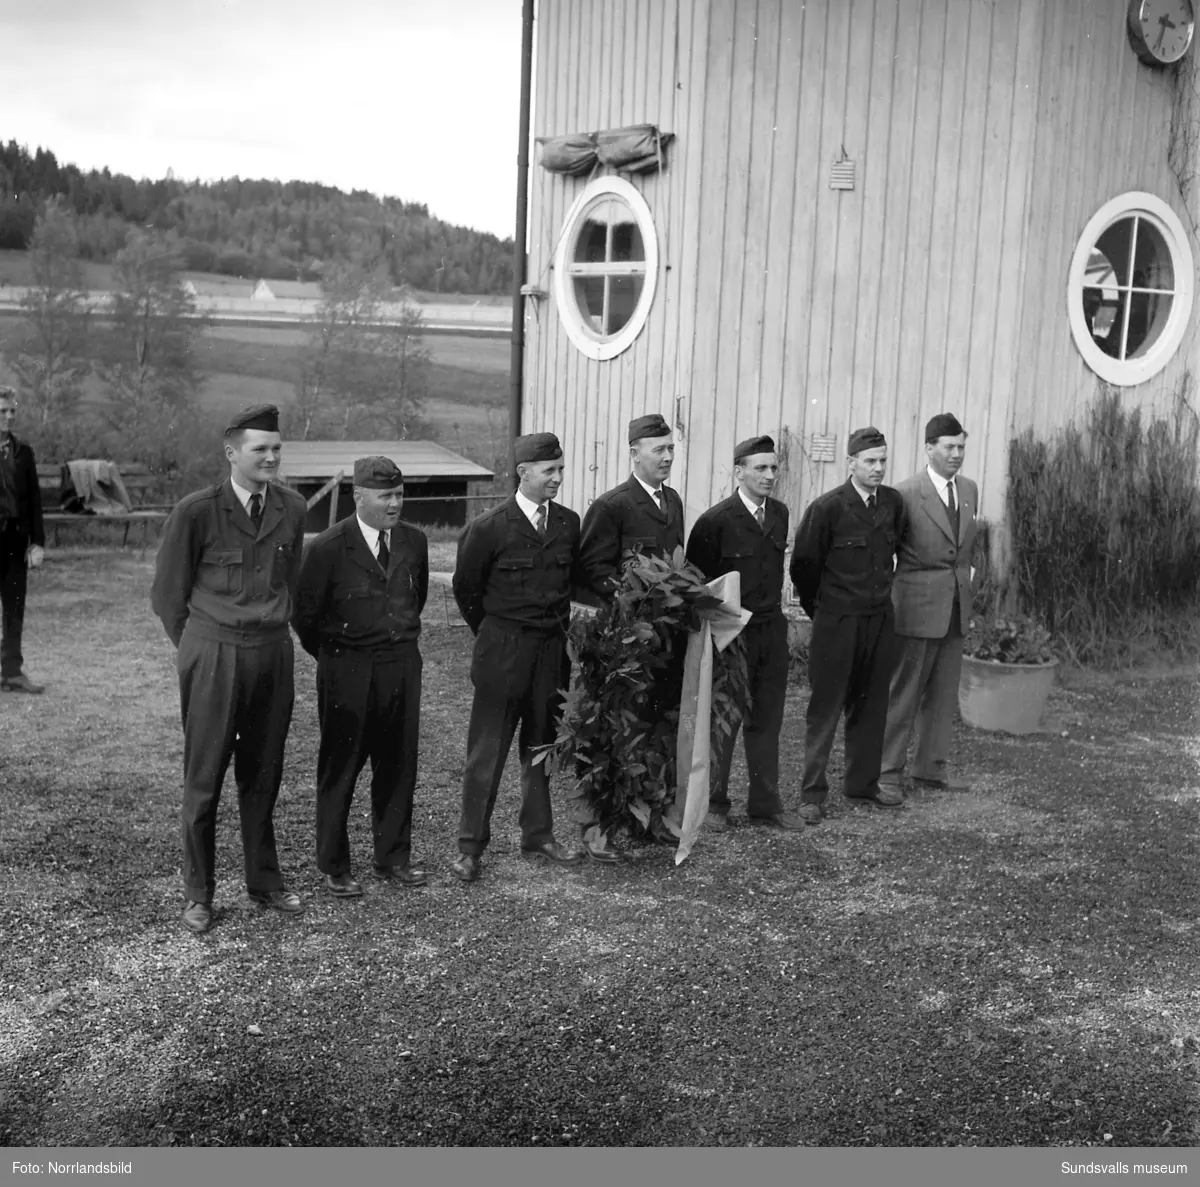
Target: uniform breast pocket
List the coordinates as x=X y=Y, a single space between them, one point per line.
x=514 y=572
x=221 y=570
x=851 y=554
x=356 y=607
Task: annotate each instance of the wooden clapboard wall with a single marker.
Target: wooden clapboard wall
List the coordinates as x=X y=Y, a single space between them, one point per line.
x=984 y=135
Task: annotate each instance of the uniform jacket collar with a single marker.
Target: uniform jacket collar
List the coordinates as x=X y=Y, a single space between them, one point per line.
x=518 y=519
x=648 y=501
x=238 y=517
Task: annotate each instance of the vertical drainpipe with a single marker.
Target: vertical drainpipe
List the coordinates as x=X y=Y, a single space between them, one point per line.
x=517 y=365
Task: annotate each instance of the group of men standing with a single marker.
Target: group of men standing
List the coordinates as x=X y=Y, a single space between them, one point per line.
x=234 y=578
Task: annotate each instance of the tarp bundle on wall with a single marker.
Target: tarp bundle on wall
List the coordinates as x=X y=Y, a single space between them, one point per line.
x=638 y=149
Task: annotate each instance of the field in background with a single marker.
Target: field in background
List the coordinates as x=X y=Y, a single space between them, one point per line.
x=466 y=409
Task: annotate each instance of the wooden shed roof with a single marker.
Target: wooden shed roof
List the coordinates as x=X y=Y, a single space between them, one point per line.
x=418 y=460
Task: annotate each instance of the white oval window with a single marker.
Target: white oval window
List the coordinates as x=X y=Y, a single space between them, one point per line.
x=606 y=267
x=1129 y=293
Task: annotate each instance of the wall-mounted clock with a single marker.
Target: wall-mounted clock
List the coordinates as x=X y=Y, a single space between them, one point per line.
x=1161 y=30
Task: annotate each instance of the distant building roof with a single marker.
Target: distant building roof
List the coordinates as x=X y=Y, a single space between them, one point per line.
x=418 y=460
x=286 y=290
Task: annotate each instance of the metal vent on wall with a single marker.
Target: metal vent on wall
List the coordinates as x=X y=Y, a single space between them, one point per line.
x=841 y=176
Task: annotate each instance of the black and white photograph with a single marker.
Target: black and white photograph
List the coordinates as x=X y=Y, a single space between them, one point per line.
x=600 y=573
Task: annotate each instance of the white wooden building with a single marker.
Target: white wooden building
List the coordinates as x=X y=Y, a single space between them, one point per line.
x=871 y=211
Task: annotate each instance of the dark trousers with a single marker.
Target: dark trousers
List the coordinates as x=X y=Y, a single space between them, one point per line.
x=767 y=662
x=517 y=678
x=13 y=576
x=237 y=704
x=850 y=661
x=369 y=707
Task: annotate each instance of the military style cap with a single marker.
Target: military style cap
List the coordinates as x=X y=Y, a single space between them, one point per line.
x=377 y=473
x=751 y=446
x=652 y=425
x=945 y=424
x=868 y=438
x=259 y=416
x=537 y=447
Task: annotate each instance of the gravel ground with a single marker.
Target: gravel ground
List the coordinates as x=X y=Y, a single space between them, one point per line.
x=1015 y=965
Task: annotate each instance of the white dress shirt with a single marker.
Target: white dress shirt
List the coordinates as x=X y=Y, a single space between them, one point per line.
x=531 y=509
x=863 y=493
x=941 y=484
x=652 y=491
x=751 y=505
x=244 y=495
x=371 y=536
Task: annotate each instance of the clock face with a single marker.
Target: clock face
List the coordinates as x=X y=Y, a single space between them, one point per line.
x=1161 y=30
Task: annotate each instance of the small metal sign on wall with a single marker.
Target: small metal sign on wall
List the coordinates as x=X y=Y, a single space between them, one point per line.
x=824 y=447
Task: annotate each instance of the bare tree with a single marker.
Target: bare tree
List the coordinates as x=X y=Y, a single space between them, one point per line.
x=52 y=362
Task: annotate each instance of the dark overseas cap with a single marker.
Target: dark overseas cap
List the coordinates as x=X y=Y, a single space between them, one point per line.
x=259 y=416
x=868 y=438
x=652 y=425
x=945 y=424
x=377 y=473
x=751 y=446
x=537 y=447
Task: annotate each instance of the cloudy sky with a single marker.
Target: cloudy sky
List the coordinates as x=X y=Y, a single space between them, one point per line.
x=417 y=99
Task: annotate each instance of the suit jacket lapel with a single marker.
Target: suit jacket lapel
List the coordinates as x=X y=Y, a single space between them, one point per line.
x=937 y=510
x=966 y=512
x=517 y=516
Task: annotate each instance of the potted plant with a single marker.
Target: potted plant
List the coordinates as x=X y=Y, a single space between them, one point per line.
x=1007 y=673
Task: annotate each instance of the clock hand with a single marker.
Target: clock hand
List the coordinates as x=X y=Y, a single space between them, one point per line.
x=1164 y=23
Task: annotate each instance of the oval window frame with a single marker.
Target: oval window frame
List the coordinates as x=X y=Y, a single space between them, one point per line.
x=1131 y=372
x=603 y=349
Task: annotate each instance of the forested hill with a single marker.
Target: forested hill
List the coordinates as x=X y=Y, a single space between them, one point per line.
x=279 y=230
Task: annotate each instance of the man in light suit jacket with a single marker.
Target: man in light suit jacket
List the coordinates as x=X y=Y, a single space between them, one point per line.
x=932 y=597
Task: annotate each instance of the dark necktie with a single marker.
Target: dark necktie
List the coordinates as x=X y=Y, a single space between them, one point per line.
x=870 y=502
x=761 y=518
x=541 y=519
x=256 y=508
x=658 y=498
x=384 y=554
x=952 y=508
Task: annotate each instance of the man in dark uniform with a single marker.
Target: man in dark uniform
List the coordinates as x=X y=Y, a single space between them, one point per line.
x=22 y=542
x=512 y=581
x=642 y=513
x=224 y=587
x=842 y=570
x=362 y=588
x=748 y=534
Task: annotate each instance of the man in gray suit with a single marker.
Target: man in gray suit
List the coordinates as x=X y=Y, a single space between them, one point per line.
x=932 y=597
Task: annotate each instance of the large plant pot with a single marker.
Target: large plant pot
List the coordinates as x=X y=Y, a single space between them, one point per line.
x=1008 y=698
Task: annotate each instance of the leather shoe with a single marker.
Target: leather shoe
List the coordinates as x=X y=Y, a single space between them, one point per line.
x=20 y=683
x=784 y=821
x=810 y=813
x=921 y=784
x=467 y=867
x=197 y=917
x=406 y=875
x=278 y=900
x=553 y=851
x=599 y=853
x=883 y=797
x=343 y=886
x=715 y=822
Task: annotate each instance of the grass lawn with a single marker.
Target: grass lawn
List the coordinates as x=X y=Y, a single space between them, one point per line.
x=1015 y=965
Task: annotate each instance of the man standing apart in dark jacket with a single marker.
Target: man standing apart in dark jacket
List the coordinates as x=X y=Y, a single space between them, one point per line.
x=224 y=587
x=932 y=596
x=22 y=541
x=748 y=534
x=643 y=513
x=363 y=585
x=512 y=581
x=842 y=570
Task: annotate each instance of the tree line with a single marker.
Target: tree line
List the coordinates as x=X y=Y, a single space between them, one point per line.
x=292 y=230
x=363 y=373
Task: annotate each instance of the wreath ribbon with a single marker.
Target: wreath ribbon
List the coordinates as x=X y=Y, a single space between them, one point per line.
x=719 y=625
